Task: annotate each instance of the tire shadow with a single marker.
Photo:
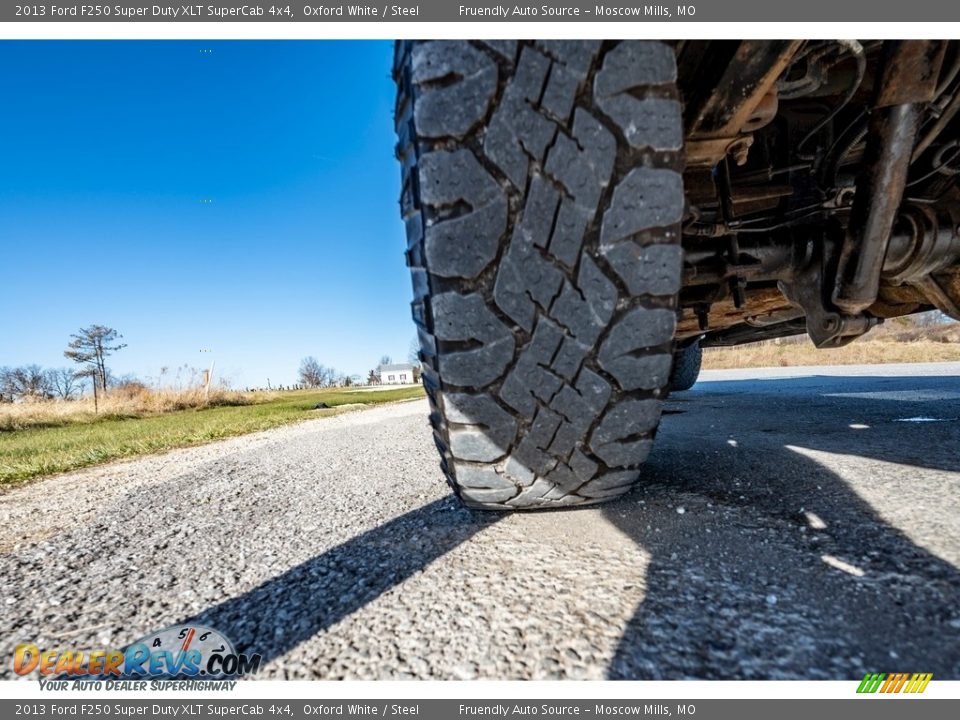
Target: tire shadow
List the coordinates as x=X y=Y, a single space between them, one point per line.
x=268 y=620
x=777 y=567
x=766 y=564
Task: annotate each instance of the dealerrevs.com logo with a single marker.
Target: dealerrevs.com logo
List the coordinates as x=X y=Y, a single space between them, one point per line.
x=179 y=651
x=910 y=683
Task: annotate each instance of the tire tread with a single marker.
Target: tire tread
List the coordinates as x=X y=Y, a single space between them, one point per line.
x=542 y=195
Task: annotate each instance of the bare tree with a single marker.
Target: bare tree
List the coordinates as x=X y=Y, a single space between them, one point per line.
x=374 y=378
x=311 y=372
x=329 y=376
x=931 y=318
x=91 y=347
x=414 y=353
x=314 y=375
x=28 y=381
x=7 y=385
x=64 y=382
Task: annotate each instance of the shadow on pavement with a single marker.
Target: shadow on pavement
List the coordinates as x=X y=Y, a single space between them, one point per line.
x=268 y=619
x=779 y=568
x=775 y=568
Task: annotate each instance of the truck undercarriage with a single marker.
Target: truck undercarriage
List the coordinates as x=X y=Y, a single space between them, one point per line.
x=821 y=187
x=583 y=217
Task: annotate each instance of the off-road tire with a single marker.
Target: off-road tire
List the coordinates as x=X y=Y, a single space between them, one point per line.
x=542 y=196
x=686 y=367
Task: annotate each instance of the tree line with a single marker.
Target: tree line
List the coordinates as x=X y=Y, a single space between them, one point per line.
x=88 y=348
x=313 y=374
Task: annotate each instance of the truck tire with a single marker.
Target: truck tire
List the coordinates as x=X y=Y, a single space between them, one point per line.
x=542 y=196
x=686 y=367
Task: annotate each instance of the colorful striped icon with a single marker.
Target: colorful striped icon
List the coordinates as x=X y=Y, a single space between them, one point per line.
x=894 y=682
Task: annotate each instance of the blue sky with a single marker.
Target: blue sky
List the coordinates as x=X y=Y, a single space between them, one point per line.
x=108 y=151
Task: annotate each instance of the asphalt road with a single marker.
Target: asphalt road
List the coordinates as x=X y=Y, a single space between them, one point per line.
x=801 y=524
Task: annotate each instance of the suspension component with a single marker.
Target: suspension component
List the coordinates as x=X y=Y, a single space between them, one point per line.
x=908 y=78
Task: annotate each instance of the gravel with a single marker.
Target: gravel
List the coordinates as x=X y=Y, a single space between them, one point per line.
x=821 y=543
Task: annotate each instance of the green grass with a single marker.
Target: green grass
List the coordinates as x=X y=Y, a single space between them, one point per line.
x=33 y=452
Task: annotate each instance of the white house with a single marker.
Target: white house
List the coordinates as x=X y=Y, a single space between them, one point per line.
x=399 y=374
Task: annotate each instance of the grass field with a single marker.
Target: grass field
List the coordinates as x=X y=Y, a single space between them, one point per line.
x=55 y=442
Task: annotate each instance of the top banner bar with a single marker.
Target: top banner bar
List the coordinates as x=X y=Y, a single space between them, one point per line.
x=568 y=11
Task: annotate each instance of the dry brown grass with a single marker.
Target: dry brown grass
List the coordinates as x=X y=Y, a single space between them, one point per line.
x=120 y=403
x=893 y=342
x=865 y=352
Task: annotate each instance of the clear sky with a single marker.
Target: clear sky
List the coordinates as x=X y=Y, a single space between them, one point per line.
x=108 y=152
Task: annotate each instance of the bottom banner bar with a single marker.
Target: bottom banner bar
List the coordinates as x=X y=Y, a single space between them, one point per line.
x=873 y=707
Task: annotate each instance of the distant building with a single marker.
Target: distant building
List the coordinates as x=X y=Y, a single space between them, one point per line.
x=400 y=374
